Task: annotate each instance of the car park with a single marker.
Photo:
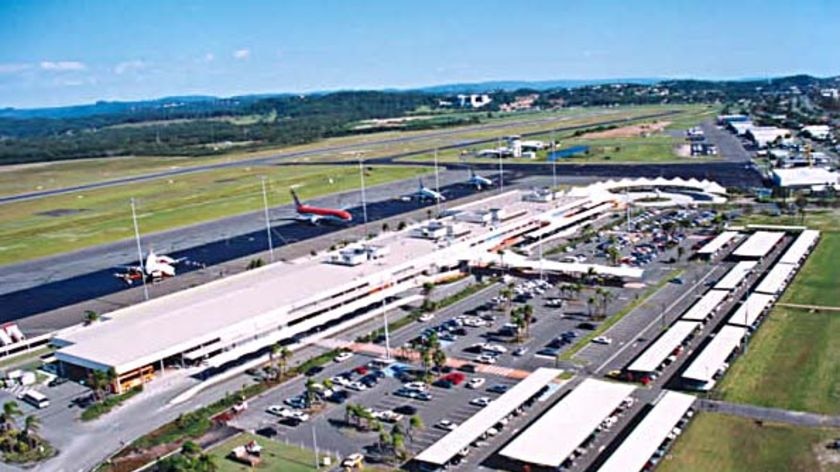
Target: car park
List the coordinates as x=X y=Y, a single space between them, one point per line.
x=475 y=382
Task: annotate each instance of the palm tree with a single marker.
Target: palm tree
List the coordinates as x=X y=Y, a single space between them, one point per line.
x=31 y=425
x=98 y=379
x=614 y=254
x=439 y=358
x=91 y=317
x=527 y=316
x=384 y=439
x=351 y=412
x=285 y=355
x=273 y=355
x=207 y=463
x=426 y=359
x=507 y=294
x=415 y=423
x=310 y=392
x=590 y=303
x=10 y=411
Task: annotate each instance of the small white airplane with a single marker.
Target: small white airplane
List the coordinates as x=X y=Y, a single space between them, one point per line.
x=478 y=181
x=156 y=267
x=425 y=193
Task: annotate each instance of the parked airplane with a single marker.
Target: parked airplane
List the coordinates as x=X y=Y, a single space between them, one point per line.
x=157 y=267
x=315 y=215
x=478 y=181
x=425 y=193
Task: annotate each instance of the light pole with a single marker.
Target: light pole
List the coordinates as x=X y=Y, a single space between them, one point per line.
x=364 y=200
x=387 y=337
x=267 y=221
x=553 y=168
x=139 y=250
x=501 y=167
x=315 y=447
x=437 y=181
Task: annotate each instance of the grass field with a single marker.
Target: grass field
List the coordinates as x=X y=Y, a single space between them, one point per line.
x=722 y=443
x=659 y=147
x=51 y=225
x=276 y=456
x=793 y=361
x=33 y=177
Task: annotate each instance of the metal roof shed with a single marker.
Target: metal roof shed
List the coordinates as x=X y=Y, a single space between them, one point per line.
x=758 y=244
x=751 y=309
x=706 y=306
x=656 y=353
x=712 y=358
x=735 y=276
x=776 y=280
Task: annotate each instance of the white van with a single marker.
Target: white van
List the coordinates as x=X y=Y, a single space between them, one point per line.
x=36 y=399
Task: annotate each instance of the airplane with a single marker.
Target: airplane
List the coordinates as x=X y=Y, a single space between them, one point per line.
x=315 y=215
x=478 y=181
x=157 y=267
x=425 y=193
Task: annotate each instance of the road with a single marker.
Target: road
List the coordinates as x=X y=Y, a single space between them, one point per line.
x=333 y=149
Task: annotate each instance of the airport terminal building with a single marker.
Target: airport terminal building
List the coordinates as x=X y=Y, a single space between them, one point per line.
x=227 y=322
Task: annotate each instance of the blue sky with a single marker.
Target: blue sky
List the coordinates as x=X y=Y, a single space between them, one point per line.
x=68 y=52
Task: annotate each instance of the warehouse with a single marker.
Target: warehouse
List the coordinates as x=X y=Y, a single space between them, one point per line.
x=805 y=178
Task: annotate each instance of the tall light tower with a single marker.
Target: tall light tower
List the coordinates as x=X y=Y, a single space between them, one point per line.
x=501 y=167
x=267 y=221
x=437 y=181
x=364 y=200
x=139 y=250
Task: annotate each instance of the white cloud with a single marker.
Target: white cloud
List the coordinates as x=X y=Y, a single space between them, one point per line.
x=209 y=57
x=128 y=66
x=62 y=66
x=241 y=54
x=13 y=68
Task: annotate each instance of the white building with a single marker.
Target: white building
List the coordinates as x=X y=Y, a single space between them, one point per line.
x=817 y=132
x=473 y=100
x=813 y=178
x=763 y=136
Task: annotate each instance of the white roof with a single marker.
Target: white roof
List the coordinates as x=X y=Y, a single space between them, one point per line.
x=656 y=354
x=805 y=176
x=564 y=427
x=450 y=444
x=776 y=279
x=637 y=448
x=751 y=309
x=735 y=276
x=759 y=244
x=800 y=248
x=706 y=365
x=718 y=242
x=707 y=186
x=705 y=306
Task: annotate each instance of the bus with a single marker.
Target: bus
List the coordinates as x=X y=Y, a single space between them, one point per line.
x=36 y=399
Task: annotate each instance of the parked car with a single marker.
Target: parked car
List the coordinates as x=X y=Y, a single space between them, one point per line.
x=343 y=356
x=446 y=425
x=602 y=340
x=475 y=382
x=498 y=388
x=480 y=401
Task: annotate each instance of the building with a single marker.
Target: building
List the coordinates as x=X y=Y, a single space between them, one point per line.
x=474 y=100
x=229 y=322
x=740 y=128
x=806 y=178
x=764 y=136
x=724 y=120
x=817 y=132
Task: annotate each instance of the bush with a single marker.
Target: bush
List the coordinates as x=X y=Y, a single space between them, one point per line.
x=109 y=403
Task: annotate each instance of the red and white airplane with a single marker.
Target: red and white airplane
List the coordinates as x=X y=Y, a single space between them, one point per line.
x=156 y=268
x=315 y=215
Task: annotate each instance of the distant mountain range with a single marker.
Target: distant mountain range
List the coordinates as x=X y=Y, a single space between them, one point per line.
x=204 y=103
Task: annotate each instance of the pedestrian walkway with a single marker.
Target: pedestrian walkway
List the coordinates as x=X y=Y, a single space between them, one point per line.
x=778 y=415
x=809 y=307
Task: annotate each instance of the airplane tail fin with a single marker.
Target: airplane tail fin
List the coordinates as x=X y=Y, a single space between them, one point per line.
x=295 y=197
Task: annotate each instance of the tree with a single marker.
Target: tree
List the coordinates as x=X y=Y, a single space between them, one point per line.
x=415 y=423
x=590 y=304
x=527 y=317
x=614 y=254
x=98 y=380
x=11 y=410
x=439 y=358
x=206 y=463
x=91 y=317
x=255 y=263
x=190 y=448
x=680 y=252
x=801 y=202
x=31 y=426
x=284 y=355
x=311 y=396
x=384 y=439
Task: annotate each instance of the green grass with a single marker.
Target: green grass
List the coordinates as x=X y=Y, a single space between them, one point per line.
x=30 y=359
x=104 y=215
x=793 y=361
x=717 y=442
x=823 y=220
x=275 y=456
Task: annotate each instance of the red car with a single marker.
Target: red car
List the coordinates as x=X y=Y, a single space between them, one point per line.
x=361 y=370
x=455 y=377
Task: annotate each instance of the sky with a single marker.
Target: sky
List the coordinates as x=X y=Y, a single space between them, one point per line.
x=71 y=52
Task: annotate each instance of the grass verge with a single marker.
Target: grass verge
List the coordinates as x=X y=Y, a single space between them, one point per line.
x=275 y=456
x=714 y=441
x=109 y=403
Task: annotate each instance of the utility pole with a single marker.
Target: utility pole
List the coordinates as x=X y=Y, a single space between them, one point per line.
x=387 y=336
x=627 y=208
x=501 y=167
x=267 y=221
x=553 y=168
x=541 y=255
x=139 y=250
x=364 y=200
x=315 y=447
x=437 y=182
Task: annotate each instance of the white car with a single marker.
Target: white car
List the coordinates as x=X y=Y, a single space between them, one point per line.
x=485 y=359
x=297 y=415
x=480 y=401
x=353 y=460
x=446 y=425
x=426 y=317
x=343 y=356
x=475 y=382
x=340 y=380
x=277 y=410
x=357 y=386
x=495 y=348
x=416 y=386
x=602 y=340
